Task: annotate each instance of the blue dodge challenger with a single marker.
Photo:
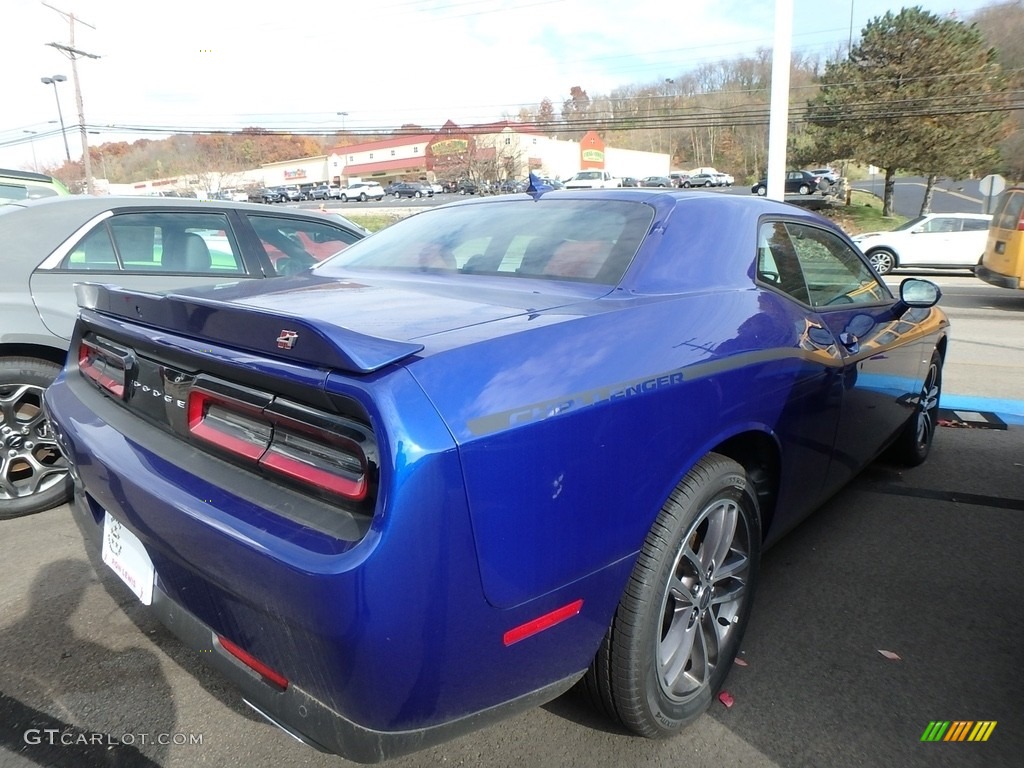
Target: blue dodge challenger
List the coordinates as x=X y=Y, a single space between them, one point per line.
x=499 y=449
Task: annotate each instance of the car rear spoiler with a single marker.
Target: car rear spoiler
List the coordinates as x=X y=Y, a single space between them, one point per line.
x=275 y=334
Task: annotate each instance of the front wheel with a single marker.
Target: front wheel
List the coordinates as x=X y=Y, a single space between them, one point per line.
x=679 y=623
x=883 y=260
x=33 y=474
x=761 y=190
x=915 y=442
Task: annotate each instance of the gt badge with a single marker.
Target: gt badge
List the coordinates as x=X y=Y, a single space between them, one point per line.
x=287 y=339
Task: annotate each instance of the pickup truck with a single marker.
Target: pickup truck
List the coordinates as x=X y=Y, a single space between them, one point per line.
x=593 y=179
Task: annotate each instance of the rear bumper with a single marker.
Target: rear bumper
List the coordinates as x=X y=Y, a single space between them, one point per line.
x=294 y=710
x=997 y=279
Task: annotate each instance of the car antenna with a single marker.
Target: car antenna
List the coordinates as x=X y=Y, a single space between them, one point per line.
x=537 y=187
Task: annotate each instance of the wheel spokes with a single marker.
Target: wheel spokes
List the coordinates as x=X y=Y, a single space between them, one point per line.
x=31 y=462
x=703 y=596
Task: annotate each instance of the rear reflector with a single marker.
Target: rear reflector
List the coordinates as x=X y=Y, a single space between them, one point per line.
x=272 y=677
x=541 y=623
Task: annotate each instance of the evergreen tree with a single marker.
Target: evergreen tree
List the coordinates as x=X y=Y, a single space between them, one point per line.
x=918 y=93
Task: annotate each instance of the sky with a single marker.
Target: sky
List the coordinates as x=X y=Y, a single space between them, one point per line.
x=188 y=65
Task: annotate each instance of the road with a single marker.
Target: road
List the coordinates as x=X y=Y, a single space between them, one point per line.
x=951 y=196
x=923 y=563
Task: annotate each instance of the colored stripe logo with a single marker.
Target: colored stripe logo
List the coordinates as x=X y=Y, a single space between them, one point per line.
x=958 y=730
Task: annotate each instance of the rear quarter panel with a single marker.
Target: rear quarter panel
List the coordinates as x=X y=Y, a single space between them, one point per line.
x=574 y=434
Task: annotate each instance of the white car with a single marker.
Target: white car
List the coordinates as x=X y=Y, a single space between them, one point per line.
x=363 y=191
x=593 y=179
x=935 y=240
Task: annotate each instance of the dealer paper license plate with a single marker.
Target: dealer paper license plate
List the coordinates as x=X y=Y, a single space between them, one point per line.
x=128 y=558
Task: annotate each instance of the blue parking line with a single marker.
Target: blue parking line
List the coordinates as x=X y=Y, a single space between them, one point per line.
x=1010 y=411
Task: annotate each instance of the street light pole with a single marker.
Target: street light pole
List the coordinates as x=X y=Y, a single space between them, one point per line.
x=63 y=132
x=32 y=142
x=343 y=115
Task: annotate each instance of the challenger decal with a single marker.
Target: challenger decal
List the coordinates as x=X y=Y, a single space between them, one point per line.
x=527 y=414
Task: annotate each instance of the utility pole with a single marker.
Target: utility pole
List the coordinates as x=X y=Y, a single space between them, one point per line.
x=73 y=53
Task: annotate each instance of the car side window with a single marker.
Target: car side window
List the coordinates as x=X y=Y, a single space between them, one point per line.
x=835 y=275
x=294 y=245
x=194 y=243
x=975 y=225
x=777 y=262
x=940 y=224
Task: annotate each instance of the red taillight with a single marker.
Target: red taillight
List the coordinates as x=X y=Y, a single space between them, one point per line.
x=307 y=455
x=268 y=674
x=229 y=424
x=337 y=469
x=1020 y=222
x=105 y=367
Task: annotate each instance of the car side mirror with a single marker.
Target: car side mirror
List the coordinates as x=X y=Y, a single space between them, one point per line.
x=918 y=294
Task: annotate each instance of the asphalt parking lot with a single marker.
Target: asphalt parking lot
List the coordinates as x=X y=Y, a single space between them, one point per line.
x=922 y=564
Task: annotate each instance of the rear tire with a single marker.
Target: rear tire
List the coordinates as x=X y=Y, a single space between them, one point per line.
x=680 y=621
x=34 y=475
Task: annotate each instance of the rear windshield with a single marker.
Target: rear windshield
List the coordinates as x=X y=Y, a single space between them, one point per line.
x=582 y=240
x=10 y=192
x=1008 y=210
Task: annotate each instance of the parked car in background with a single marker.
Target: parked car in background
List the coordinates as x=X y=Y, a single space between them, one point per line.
x=1003 y=262
x=150 y=244
x=409 y=189
x=363 y=191
x=320 y=192
x=656 y=181
x=435 y=187
x=291 y=193
x=724 y=179
x=702 y=180
x=467 y=187
x=935 y=240
x=26 y=185
x=797 y=182
x=630 y=181
x=678 y=177
x=592 y=178
x=274 y=195
x=498 y=448
x=825 y=173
